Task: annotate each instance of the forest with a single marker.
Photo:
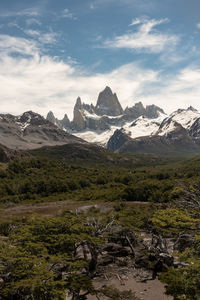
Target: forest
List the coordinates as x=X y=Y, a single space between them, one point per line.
x=51 y=256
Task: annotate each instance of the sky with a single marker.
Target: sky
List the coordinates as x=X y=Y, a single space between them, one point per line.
x=52 y=51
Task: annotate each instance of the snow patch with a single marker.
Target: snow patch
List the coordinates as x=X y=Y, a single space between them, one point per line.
x=185 y=117
x=167 y=128
x=99 y=137
x=143 y=126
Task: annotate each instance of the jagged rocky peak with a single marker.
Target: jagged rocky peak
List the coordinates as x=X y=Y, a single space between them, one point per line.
x=79 y=118
x=192 y=108
x=135 y=111
x=78 y=104
x=50 y=117
x=108 y=103
x=153 y=111
x=66 y=122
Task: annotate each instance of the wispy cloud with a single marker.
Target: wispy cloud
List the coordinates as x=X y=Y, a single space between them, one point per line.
x=29 y=12
x=43 y=38
x=33 y=21
x=137 y=21
x=14 y=45
x=176 y=90
x=68 y=14
x=198 y=25
x=146 y=38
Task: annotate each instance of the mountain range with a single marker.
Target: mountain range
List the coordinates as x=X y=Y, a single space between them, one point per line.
x=133 y=130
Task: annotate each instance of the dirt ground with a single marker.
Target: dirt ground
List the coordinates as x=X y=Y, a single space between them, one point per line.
x=53 y=208
x=149 y=290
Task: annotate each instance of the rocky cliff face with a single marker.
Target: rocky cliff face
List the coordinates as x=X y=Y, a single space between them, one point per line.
x=94 y=117
x=108 y=104
x=134 y=112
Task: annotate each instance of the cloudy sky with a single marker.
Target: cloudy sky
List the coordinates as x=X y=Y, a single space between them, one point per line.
x=52 y=51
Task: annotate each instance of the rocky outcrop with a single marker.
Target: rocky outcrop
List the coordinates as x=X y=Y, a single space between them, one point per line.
x=51 y=118
x=79 y=122
x=108 y=104
x=153 y=111
x=65 y=122
x=134 y=112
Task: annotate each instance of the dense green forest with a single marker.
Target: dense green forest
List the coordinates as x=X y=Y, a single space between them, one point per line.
x=45 y=257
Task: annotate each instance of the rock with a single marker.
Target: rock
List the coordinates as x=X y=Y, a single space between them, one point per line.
x=108 y=104
x=65 y=122
x=135 y=111
x=79 y=122
x=153 y=111
x=51 y=118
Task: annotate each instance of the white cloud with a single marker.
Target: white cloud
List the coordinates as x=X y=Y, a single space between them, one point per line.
x=146 y=38
x=41 y=83
x=198 y=25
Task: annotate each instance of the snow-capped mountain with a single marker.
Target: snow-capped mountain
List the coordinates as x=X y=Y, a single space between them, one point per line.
x=177 y=134
x=136 y=129
x=97 y=124
x=183 y=117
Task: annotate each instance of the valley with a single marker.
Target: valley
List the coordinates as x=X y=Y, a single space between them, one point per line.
x=103 y=207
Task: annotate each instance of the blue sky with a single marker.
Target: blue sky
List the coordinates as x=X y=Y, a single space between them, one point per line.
x=51 y=52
